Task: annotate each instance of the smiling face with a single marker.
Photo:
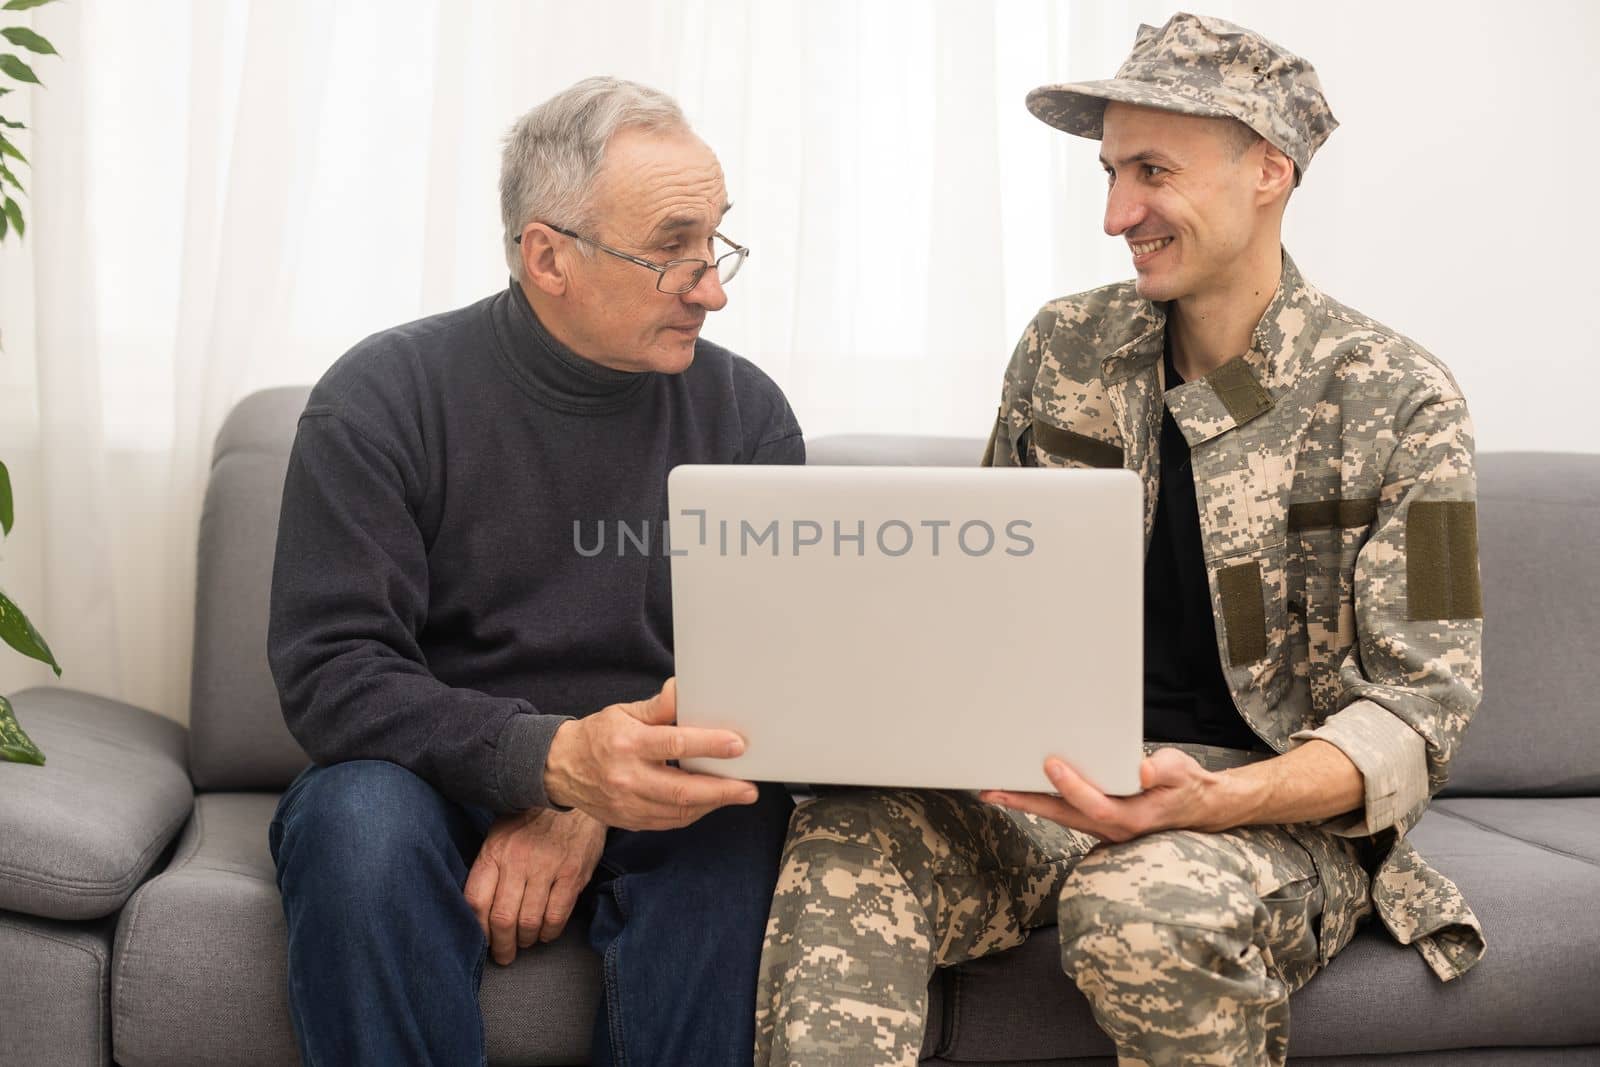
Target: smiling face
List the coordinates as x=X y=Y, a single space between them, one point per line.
x=658 y=196
x=1195 y=202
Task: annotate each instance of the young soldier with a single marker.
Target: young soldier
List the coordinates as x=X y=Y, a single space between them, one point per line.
x=1313 y=623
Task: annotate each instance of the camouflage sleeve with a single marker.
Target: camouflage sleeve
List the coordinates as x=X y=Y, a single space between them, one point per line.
x=1415 y=675
x=1016 y=397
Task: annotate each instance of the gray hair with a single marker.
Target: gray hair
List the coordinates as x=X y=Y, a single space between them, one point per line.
x=553 y=152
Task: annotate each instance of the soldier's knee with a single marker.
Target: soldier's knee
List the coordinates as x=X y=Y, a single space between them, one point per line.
x=855 y=818
x=1161 y=897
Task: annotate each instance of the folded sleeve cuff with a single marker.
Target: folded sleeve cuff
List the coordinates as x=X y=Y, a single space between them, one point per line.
x=520 y=755
x=1392 y=759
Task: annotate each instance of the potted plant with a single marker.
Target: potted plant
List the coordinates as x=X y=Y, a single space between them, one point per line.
x=15 y=629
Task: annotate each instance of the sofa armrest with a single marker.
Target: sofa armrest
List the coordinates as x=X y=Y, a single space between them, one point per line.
x=79 y=834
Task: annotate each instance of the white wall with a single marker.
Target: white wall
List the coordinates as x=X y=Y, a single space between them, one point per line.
x=905 y=210
x=1455 y=202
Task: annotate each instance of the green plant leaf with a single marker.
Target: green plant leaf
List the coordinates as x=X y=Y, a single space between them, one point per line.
x=17 y=68
x=16 y=746
x=7 y=516
x=4 y=225
x=5 y=173
x=18 y=632
x=14 y=125
x=23 y=5
x=9 y=149
x=14 y=213
x=23 y=37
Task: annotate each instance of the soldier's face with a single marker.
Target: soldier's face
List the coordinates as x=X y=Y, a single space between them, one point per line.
x=658 y=196
x=1181 y=197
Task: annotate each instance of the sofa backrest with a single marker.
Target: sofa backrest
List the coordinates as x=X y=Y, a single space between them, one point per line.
x=237 y=737
x=1537 y=732
x=893 y=450
x=1539 y=517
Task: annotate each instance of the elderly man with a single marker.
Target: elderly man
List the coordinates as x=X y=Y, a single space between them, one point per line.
x=1312 y=623
x=488 y=707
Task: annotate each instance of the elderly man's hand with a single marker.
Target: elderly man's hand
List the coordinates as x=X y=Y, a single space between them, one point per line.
x=528 y=874
x=613 y=765
x=1177 y=793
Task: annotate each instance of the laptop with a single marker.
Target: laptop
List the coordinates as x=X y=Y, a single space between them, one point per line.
x=911 y=626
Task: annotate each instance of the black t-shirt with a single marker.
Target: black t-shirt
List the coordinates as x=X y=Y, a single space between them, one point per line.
x=1186 y=697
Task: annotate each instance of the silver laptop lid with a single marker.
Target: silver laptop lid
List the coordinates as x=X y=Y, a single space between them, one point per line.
x=911 y=626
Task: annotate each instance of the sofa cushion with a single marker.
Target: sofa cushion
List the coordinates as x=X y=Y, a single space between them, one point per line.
x=55 y=999
x=201 y=976
x=200 y=962
x=1534 y=733
x=82 y=831
x=237 y=738
x=1534 y=987
x=1569 y=825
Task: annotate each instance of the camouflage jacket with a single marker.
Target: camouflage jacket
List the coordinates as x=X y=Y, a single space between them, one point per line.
x=1333 y=467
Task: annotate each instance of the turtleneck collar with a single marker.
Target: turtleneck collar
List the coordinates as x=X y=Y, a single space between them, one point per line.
x=551 y=372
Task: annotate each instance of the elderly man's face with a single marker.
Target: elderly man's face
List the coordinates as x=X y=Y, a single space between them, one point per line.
x=1182 y=197
x=658 y=196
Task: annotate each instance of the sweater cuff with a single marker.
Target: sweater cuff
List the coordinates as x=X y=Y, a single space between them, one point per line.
x=520 y=754
x=1392 y=759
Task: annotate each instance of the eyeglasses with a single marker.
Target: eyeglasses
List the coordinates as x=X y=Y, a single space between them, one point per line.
x=676 y=275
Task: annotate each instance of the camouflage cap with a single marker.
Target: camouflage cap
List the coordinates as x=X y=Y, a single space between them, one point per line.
x=1198 y=65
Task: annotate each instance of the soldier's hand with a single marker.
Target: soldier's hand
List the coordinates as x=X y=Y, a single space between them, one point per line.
x=1177 y=793
x=525 y=882
x=613 y=765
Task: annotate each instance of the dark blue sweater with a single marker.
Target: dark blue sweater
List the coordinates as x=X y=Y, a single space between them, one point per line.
x=430 y=606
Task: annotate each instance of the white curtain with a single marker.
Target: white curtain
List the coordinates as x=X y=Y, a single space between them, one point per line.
x=227 y=195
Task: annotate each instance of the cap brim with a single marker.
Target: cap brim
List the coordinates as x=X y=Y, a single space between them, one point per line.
x=1080 y=107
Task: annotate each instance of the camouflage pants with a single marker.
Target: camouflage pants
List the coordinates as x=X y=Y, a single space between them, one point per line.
x=1186 y=944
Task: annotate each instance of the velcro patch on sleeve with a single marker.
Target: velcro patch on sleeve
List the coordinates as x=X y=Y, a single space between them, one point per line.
x=1244 y=612
x=1442 y=560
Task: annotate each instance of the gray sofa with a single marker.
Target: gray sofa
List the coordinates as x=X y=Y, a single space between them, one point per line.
x=139 y=920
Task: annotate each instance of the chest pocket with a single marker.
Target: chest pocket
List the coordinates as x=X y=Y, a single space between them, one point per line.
x=1251 y=598
x=1048 y=445
x=1324 y=539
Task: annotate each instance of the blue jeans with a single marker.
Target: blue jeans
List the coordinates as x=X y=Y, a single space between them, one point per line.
x=385 y=956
